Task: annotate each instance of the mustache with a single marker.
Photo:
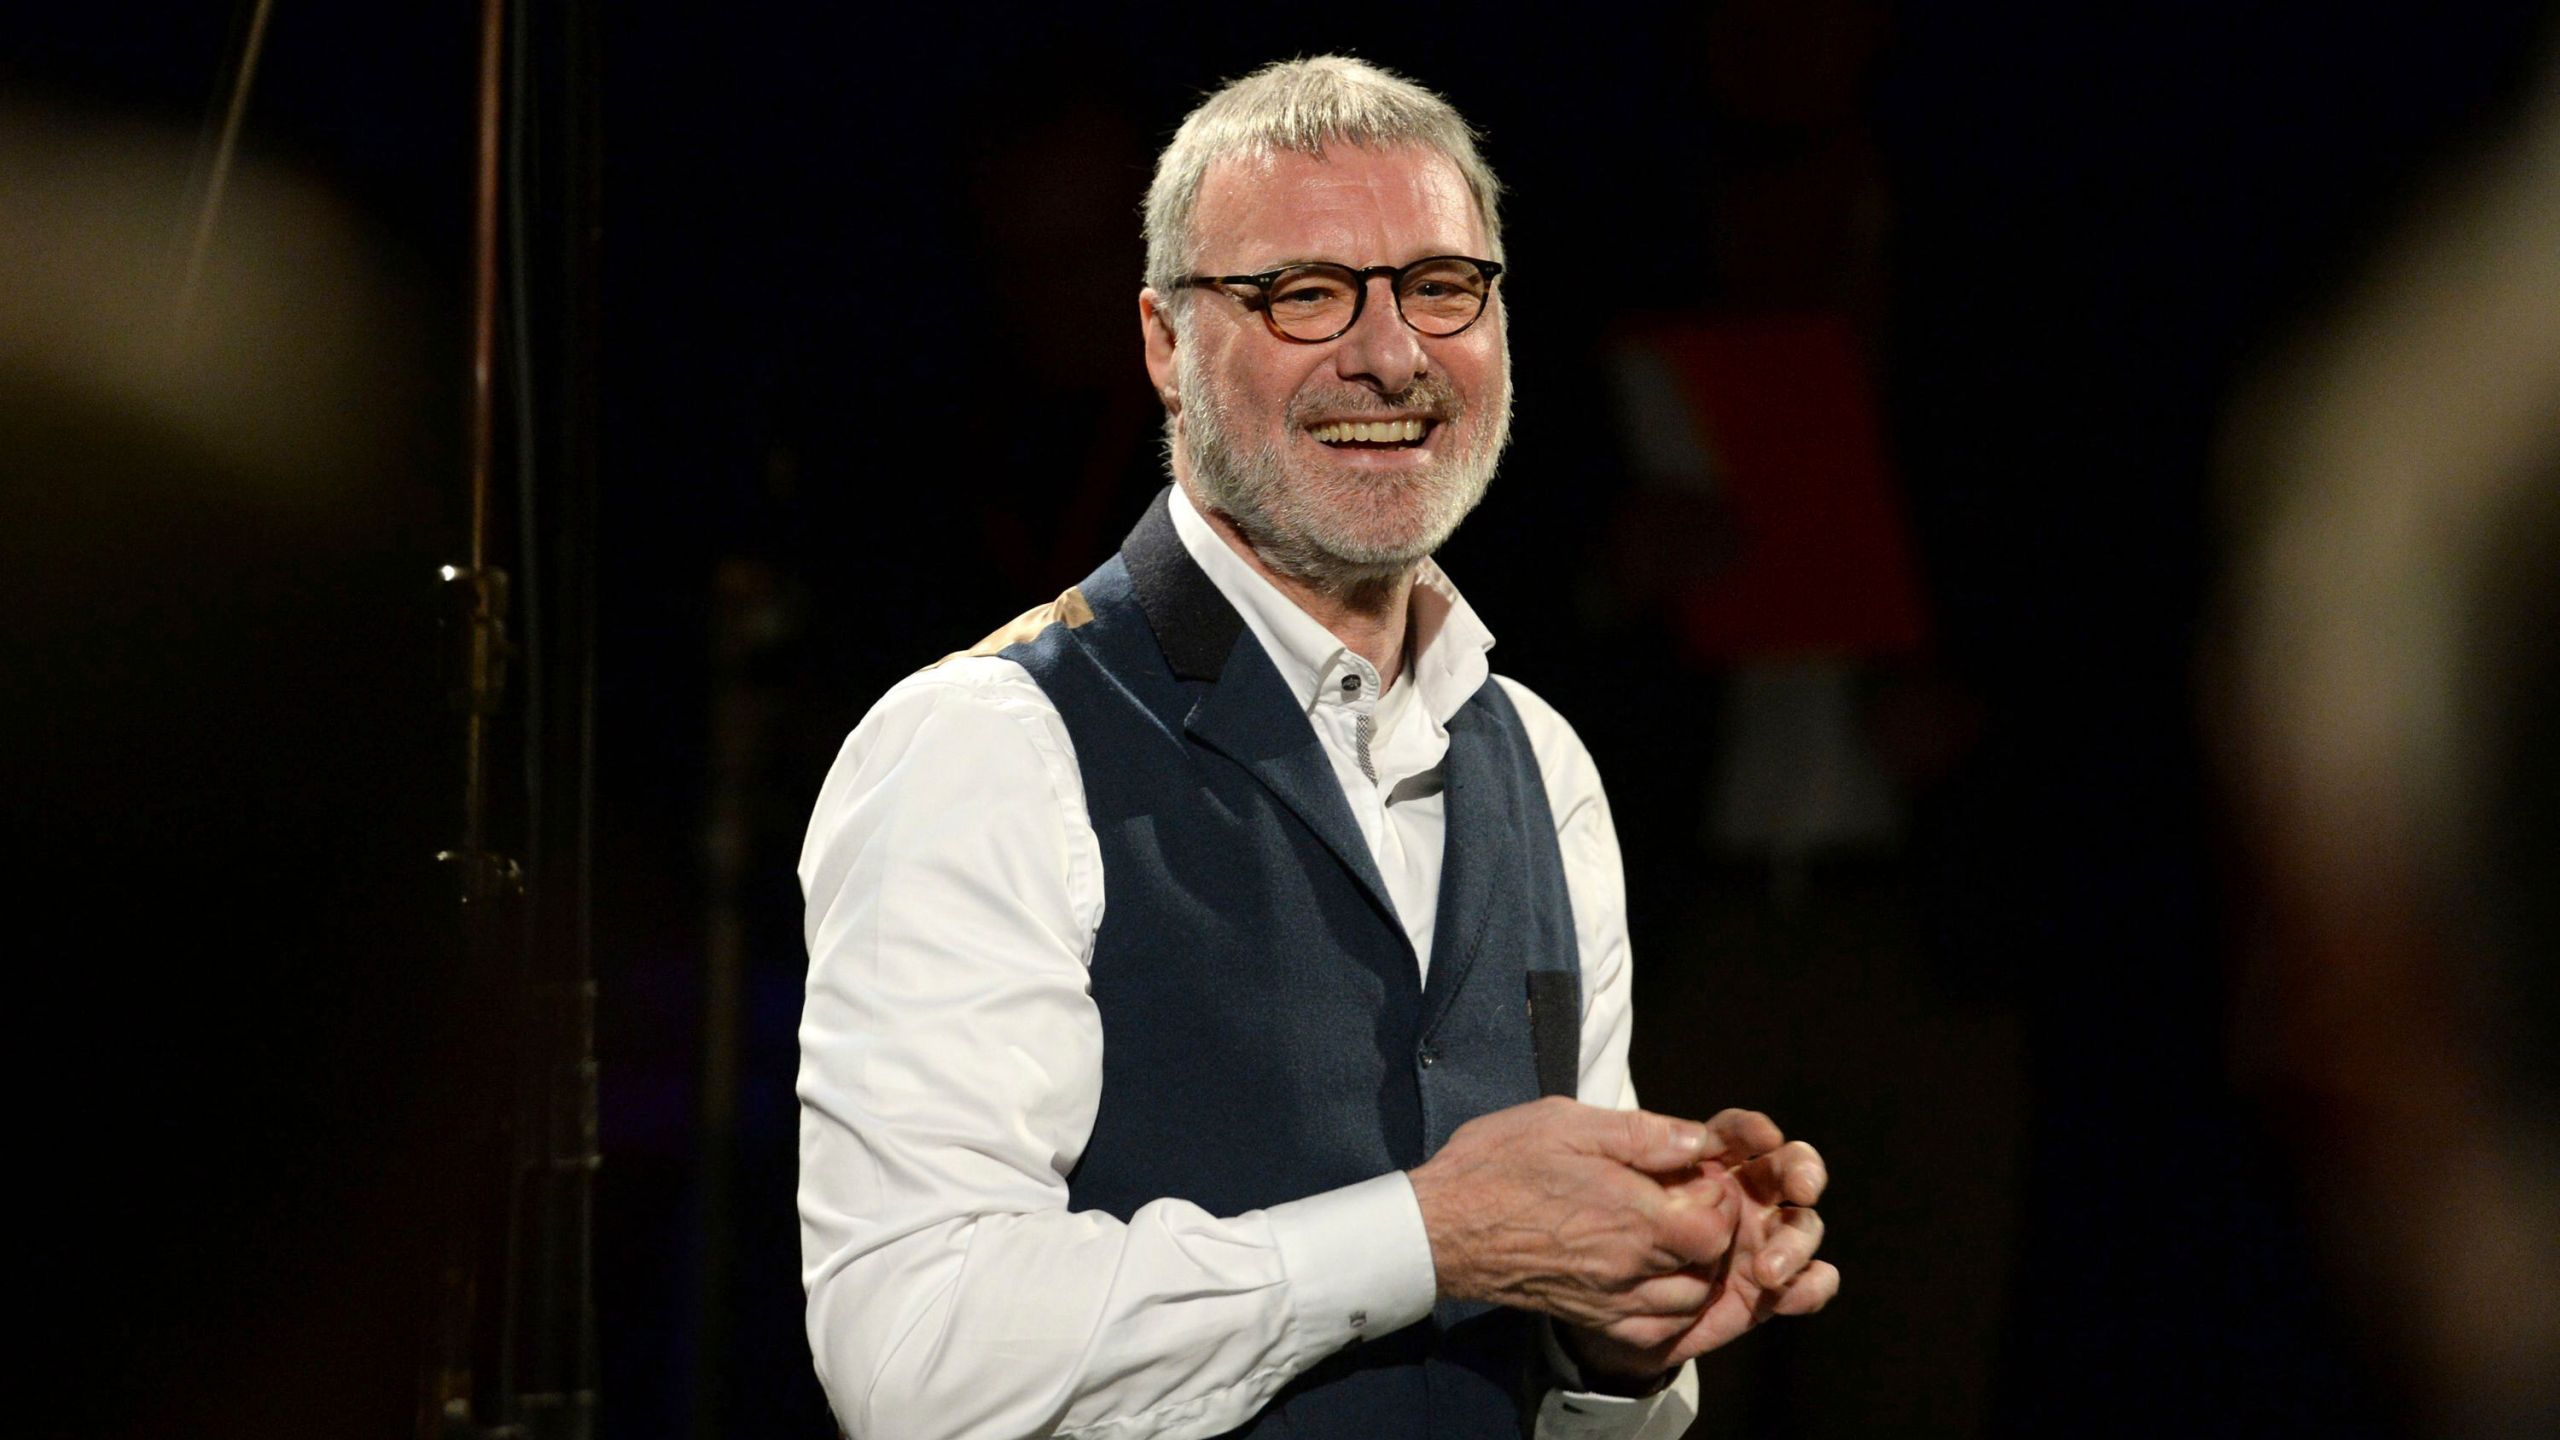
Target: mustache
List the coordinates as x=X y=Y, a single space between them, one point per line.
x=1429 y=395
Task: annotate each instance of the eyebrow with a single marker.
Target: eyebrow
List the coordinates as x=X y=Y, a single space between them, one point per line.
x=1328 y=260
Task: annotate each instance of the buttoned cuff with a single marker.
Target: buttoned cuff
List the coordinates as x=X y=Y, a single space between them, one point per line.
x=1358 y=1262
x=1571 y=1413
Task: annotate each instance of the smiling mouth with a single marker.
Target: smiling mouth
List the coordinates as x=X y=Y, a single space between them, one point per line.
x=1372 y=434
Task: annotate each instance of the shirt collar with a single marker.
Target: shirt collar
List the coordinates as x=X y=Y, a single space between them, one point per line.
x=1445 y=656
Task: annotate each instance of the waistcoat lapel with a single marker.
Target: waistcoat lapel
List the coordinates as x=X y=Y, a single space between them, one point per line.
x=1473 y=804
x=1245 y=712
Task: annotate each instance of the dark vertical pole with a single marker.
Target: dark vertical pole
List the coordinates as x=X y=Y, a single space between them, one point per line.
x=468 y=1385
x=515 y=1348
x=581 y=438
x=554 y=171
x=484 y=280
x=727 y=848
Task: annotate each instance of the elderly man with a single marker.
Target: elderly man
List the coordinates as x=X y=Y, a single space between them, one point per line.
x=1190 y=959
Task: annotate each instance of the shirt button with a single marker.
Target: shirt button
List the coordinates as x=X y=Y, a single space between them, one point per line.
x=1350 y=684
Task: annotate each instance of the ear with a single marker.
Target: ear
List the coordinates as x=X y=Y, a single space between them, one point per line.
x=1156 y=330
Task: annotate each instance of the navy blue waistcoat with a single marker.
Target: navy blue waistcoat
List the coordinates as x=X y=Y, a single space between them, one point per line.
x=1267 y=1033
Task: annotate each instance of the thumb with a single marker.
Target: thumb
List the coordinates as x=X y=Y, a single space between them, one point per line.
x=1645 y=1141
x=1697 y=1223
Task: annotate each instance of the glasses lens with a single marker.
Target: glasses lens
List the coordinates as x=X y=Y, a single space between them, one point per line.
x=1442 y=297
x=1314 y=302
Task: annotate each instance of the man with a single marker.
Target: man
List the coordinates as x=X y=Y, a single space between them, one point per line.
x=1189 y=959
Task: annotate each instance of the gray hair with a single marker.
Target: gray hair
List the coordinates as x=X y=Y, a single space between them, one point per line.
x=1299 y=107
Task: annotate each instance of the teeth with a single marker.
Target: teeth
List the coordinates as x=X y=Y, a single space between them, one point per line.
x=1374 y=432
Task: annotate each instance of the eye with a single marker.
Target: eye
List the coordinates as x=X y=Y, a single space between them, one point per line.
x=1309 y=289
x=1441 y=297
x=1444 y=278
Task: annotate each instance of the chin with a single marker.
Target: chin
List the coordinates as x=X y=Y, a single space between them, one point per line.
x=1379 y=527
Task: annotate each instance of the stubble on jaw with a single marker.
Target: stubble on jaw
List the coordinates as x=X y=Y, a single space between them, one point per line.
x=1322 y=529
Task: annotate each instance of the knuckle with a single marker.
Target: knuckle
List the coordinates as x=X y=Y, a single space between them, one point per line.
x=1617 y=1281
x=1635 y=1127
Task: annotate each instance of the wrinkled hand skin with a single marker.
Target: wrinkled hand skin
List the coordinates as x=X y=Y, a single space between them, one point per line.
x=1653 y=1239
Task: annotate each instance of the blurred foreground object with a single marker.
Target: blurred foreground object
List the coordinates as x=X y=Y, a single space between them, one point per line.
x=278 y=374
x=2392 y=716
x=231 y=1021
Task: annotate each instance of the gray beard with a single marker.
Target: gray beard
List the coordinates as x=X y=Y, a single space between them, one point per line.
x=1307 y=530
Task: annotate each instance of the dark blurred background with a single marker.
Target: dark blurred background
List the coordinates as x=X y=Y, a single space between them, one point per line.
x=1940 y=876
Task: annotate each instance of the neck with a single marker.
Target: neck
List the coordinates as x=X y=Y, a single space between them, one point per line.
x=1369 y=617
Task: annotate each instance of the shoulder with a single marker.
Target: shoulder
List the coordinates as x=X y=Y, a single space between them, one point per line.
x=966 y=690
x=982 y=710
x=1541 y=718
x=964 y=767
x=972 y=726
x=1552 y=736
x=1572 y=780
x=1069 y=611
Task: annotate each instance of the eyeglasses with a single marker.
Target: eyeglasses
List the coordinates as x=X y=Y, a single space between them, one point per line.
x=1310 y=304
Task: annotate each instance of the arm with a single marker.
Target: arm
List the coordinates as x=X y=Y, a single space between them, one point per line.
x=1751 y=1174
x=1595 y=878
x=951 y=1065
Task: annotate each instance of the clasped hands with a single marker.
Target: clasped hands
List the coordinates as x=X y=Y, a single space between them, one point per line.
x=1651 y=1238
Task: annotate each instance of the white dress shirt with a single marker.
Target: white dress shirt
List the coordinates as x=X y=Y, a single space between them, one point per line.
x=951 y=1063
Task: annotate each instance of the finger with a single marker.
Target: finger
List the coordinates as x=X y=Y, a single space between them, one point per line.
x=1680 y=1293
x=1695 y=1224
x=1793 y=1174
x=1650 y=1332
x=1810 y=1291
x=1643 y=1139
x=1788 y=1248
x=1735 y=1135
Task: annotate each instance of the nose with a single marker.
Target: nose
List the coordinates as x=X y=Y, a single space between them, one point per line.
x=1381 y=351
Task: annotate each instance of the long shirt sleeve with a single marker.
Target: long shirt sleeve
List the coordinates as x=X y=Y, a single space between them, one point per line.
x=951 y=1068
x=951 y=1072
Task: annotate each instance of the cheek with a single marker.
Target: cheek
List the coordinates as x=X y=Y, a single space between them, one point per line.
x=1477 y=360
x=1277 y=389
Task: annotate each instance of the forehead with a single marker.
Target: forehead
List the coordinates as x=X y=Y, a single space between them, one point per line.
x=1358 y=205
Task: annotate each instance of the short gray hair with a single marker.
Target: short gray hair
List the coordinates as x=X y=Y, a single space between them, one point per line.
x=1299 y=107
